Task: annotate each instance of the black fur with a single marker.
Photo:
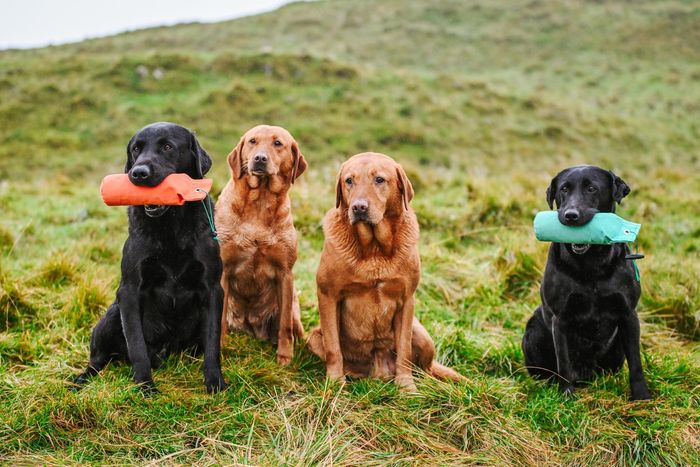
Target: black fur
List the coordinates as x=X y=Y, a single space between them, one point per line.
x=169 y=298
x=587 y=322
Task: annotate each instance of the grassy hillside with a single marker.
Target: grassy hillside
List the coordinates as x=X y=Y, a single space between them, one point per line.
x=483 y=102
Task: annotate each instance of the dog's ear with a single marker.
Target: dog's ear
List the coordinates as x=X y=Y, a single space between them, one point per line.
x=129 y=159
x=235 y=161
x=405 y=186
x=202 y=161
x=552 y=191
x=620 y=189
x=299 y=165
x=339 y=188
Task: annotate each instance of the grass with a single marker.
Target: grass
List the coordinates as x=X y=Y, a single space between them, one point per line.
x=483 y=102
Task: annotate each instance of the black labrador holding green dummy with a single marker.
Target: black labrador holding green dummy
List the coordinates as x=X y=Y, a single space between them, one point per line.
x=587 y=323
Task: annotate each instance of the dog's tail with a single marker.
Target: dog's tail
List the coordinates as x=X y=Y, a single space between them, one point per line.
x=440 y=371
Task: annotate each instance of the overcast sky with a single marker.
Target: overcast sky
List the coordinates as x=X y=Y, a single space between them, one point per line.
x=36 y=23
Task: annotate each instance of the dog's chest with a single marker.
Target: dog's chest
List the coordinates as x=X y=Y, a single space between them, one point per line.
x=368 y=312
x=258 y=254
x=173 y=270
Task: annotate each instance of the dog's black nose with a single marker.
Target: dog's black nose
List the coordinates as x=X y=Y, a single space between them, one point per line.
x=260 y=158
x=140 y=173
x=571 y=215
x=360 y=206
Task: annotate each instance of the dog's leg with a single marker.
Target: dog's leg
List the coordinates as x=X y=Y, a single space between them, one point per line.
x=561 y=348
x=630 y=342
x=538 y=347
x=106 y=343
x=296 y=317
x=403 y=332
x=285 y=340
x=213 y=379
x=328 y=311
x=224 y=307
x=128 y=299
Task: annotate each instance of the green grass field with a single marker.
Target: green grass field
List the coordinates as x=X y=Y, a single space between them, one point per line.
x=482 y=102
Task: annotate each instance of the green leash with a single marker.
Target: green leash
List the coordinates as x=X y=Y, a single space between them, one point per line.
x=209 y=211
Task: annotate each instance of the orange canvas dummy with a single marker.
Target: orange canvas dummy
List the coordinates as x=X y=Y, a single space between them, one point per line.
x=174 y=190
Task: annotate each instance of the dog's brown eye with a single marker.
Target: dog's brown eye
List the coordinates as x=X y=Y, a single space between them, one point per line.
x=348 y=181
x=167 y=147
x=378 y=180
x=135 y=149
x=564 y=189
x=278 y=142
x=252 y=141
x=592 y=189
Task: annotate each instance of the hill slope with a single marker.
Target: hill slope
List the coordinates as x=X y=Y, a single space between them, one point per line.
x=482 y=102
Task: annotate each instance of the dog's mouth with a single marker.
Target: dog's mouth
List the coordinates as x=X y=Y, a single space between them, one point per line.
x=356 y=218
x=580 y=248
x=155 y=210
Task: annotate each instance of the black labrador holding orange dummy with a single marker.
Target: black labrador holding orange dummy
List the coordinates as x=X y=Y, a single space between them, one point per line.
x=587 y=322
x=170 y=298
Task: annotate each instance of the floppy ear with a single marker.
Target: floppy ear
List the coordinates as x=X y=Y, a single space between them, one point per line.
x=299 y=162
x=620 y=189
x=129 y=160
x=339 y=188
x=202 y=161
x=552 y=192
x=404 y=186
x=234 y=160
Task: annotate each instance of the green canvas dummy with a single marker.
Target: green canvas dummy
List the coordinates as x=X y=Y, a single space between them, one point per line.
x=605 y=228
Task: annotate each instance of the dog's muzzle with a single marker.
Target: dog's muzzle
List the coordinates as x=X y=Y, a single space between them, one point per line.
x=155 y=210
x=356 y=217
x=580 y=248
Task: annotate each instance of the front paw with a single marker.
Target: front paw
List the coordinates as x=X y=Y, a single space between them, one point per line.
x=640 y=392
x=283 y=359
x=567 y=389
x=148 y=388
x=215 y=384
x=335 y=373
x=406 y=383
x=77 y=383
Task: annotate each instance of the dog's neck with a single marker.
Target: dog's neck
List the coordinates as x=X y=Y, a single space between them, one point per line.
x=261 y=196
x=375 y=236
x=594 y=261
x=169 y=227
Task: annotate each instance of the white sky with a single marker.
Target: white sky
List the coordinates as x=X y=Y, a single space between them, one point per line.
x=36 y=23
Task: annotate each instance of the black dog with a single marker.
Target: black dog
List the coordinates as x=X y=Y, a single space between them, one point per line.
x=170 y=298
x=587 y=322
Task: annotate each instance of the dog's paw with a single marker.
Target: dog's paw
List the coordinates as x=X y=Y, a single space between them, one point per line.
x=283 y=359
x=567 y=389
x=148 y=388
x=640 y=393
x=77 y=383
x=215 y=385
x=406 y=383
x=335 y=375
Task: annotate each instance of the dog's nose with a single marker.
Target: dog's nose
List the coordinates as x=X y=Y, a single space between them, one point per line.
x=140 y=173
x=260 y=158
x=360 y=206
x=571 y=215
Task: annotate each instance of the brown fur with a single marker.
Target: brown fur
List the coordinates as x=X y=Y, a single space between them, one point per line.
x=258 y=240
x=367 y=278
